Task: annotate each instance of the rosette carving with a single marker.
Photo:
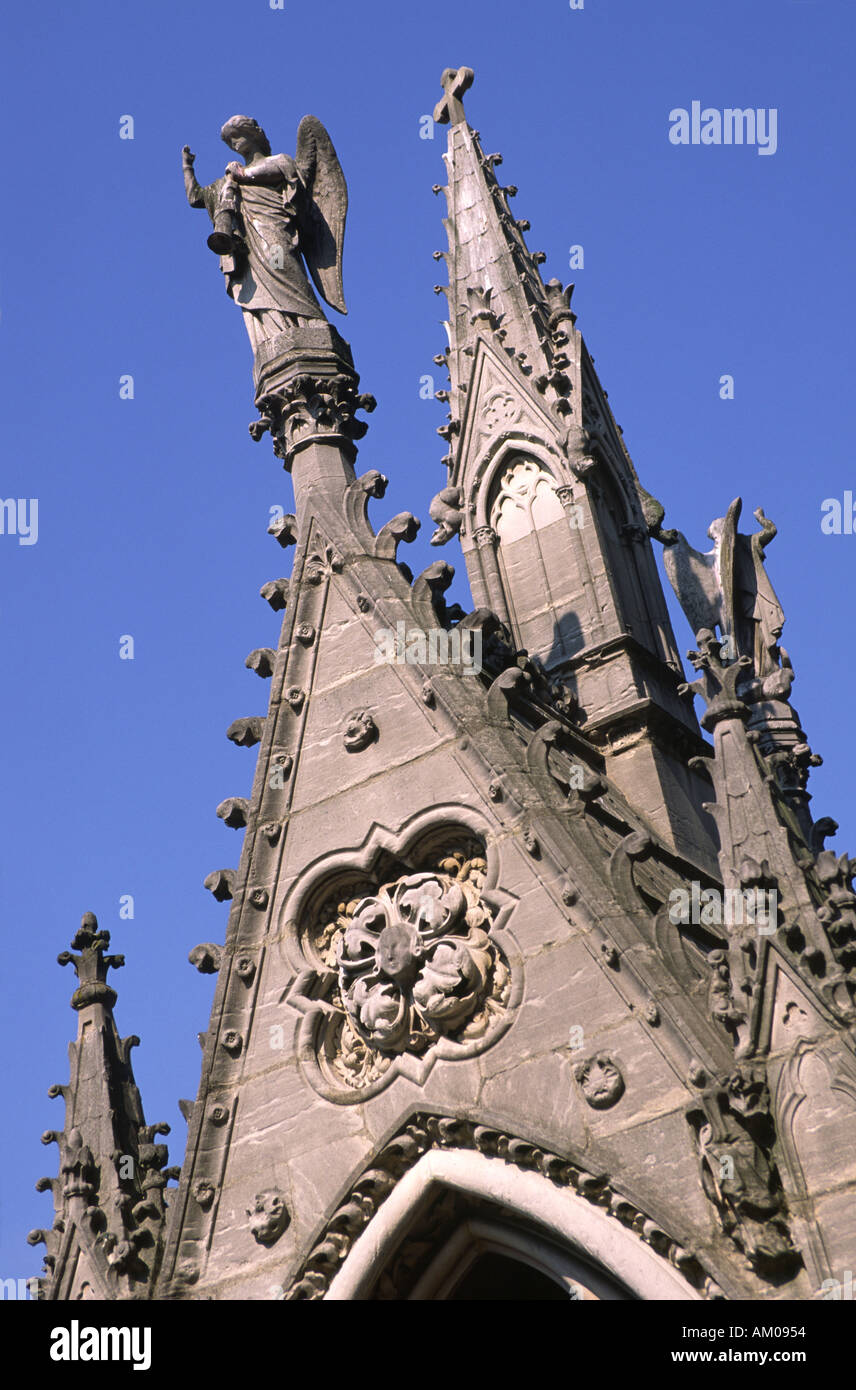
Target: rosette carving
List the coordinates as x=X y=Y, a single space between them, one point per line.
x=415 y=962
x=415 y=970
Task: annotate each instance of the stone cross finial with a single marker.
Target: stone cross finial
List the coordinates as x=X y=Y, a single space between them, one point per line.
x=456 y=81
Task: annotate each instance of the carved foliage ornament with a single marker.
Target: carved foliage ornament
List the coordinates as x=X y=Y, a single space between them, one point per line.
x=600 y=1081
x=415 y=970
x=308 y=406
x=360 y=731
x=414 y=961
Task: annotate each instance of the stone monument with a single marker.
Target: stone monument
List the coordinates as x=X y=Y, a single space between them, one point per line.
x=461 y=1038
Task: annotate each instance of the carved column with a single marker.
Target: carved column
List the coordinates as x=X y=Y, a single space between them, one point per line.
x=486 y=540
x=307 y=392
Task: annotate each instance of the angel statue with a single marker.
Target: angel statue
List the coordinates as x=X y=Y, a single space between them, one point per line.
x=727 y=587
x=271 y=214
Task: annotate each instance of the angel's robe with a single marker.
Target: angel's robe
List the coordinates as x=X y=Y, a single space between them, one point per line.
x=268 y=282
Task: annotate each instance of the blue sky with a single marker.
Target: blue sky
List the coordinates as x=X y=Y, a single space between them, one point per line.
x=699 y=261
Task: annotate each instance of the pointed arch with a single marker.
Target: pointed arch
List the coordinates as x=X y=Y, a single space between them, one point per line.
x=539 y=1216
x=484 y=481
x=533 y=1193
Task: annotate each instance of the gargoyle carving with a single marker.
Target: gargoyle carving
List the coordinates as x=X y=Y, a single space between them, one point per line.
x=445 y=510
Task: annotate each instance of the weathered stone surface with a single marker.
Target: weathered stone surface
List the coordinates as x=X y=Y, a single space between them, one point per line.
x=454 y=986
x=254 y=208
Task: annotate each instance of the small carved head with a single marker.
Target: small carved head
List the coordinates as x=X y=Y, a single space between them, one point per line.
x=600 y=1081
x=360 y=731
x=268 y=1216
x=204 y=1191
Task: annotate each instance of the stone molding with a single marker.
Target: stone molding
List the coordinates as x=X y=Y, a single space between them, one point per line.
x=521 y=1175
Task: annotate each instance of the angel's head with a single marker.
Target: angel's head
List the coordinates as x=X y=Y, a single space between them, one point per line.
x=245 y=136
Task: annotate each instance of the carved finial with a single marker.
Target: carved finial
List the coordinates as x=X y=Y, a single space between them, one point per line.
x=92 y=964
x=559 y=300
x=450 y=109
x=481 y=310
x=719 y=681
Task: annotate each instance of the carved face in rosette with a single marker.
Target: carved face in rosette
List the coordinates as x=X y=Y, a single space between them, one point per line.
x=414 y=962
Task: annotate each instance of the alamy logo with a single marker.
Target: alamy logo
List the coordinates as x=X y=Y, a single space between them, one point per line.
x=838 y=1289
x=76 y=1343
x=731 y=126
x=839 y=516
x=24 y=1289
x=735 y=907
x=14 y=522
x=436 y=647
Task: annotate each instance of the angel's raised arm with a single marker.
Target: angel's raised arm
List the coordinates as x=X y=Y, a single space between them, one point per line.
x=192 y=186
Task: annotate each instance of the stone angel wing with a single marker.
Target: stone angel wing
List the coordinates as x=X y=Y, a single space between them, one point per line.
x=322 y=231
x=695 y=581
x=728 y=568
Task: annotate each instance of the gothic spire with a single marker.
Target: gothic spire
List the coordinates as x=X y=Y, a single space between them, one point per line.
x=109 y=1198
x=494 y=282
x=553 y=522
